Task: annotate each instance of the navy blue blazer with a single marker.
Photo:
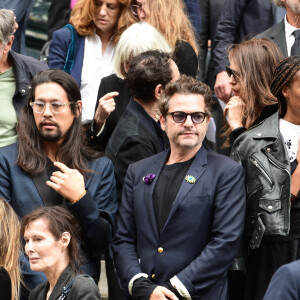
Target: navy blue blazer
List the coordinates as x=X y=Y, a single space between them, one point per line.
x=58 y=50
x=201 y=235
x=285 y=283
x=95 y=211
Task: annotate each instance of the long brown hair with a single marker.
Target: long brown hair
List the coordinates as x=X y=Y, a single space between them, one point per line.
x=255 y=61
x=73 y=153
x=10 y=246
x=83 y=14
x=168 y=17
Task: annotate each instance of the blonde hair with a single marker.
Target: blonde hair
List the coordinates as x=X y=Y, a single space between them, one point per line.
x=170 y=18
x=83 y=14
x=136 y=39
x=10 y=246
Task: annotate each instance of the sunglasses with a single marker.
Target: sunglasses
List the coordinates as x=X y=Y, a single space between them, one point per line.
x=180 y=116
x=233 y=73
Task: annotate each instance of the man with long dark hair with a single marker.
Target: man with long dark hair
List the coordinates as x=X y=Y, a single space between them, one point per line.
x=51 y=166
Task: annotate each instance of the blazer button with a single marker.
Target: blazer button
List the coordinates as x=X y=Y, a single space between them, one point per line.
x=268 y=150
x=270 y=207
x=160 y=250
x=153 y=276
x=23 y=91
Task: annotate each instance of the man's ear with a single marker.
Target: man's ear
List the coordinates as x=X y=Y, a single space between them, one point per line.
x=78 y=108
x=158 y=91
x=162 y=121
x=7 y=47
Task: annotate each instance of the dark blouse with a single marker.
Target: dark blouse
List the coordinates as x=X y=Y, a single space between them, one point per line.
x=5 y=285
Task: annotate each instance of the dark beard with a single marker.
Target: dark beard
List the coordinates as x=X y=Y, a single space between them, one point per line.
x=51 y=136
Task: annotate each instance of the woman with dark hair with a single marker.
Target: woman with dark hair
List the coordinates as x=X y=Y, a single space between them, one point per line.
x=52 y=240
x=86 y=48
x=270 y=154
x=251 y=67
x=9 y=252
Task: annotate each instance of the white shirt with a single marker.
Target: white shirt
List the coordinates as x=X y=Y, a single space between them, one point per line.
x=289 y=36
x=95 y=67
x=291 y=136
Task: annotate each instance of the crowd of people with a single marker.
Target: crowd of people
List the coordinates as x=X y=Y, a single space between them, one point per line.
x=163 y=136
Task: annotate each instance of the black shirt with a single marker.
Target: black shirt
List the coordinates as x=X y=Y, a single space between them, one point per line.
x=166 y=190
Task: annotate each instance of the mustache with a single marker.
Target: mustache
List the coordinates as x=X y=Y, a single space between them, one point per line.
x=183 y=131
x=45 y=121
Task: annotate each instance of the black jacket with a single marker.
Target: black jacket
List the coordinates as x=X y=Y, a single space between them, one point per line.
x=263 y=154
x=83 y=288
x=25 y=67
x=136 y=136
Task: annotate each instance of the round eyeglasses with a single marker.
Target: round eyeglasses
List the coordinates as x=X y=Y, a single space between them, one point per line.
x=180 y=116
x=136 y=9
x=56 y=107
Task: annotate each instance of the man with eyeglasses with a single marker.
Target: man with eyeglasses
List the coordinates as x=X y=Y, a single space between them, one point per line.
x=182 y=212
x=50 y=165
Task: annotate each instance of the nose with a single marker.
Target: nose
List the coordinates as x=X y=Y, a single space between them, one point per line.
x=103 y=10
x=29 y=247
x=142 y=15
x=188 y=122
x=47 y=110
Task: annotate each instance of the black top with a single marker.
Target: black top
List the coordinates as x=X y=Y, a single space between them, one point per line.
x=5 y=285
x=166 y=190
x=83 y=288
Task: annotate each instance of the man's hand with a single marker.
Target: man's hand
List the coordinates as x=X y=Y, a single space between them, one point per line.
x=234 y=111
x=222 y=87
x=69 y=183
x=106 y=106
x=295 y=179
x=161 y=293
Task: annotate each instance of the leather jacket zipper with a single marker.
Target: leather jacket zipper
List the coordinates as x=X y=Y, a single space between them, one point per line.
x=261 y=169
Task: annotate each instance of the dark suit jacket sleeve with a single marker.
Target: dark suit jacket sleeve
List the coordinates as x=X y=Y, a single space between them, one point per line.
x=226 y=31
x=226 y=232
x=96 y=212
x=285 y=283
x=125 y=239
x=133 y=149
x=5 y=181
x=59 y=48
x=204 y=36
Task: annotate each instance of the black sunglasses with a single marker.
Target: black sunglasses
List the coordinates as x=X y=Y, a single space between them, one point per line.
x=233 y=73
x=180 y=116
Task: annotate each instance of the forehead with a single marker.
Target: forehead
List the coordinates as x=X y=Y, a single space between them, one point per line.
x=37 y=226
x=50 y=91
x=296 y=77
x=143 y=2
x=186 y=103
x=107 y=1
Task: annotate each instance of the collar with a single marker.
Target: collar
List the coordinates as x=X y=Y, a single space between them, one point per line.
x=289 y=29
x=267 y=129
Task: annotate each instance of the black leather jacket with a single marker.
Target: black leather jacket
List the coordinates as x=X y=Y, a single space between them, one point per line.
x=263 y=154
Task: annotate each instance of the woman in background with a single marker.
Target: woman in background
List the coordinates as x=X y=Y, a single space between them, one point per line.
x=113 y=92
x=252 y=64
x=169 y=18
x=52 y=241
x=270 y=155
x=9 y=252
x=87 y=52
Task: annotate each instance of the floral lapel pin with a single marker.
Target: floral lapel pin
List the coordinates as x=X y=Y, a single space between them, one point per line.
x=148 y=178
x=190 y=179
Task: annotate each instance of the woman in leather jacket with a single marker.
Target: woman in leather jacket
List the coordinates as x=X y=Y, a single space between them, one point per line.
x=270 y=153
x=250 y=74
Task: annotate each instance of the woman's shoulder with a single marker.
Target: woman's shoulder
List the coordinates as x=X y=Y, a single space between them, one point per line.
x=84 y=287
x=39 y=292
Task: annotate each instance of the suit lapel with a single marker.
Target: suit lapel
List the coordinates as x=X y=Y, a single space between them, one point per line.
x=279 y=38
x=196 y=170
x=155 y=168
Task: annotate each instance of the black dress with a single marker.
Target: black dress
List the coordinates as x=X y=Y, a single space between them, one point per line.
x=5 y=285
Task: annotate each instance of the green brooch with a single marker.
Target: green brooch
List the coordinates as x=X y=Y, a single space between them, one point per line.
x=190 y=179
